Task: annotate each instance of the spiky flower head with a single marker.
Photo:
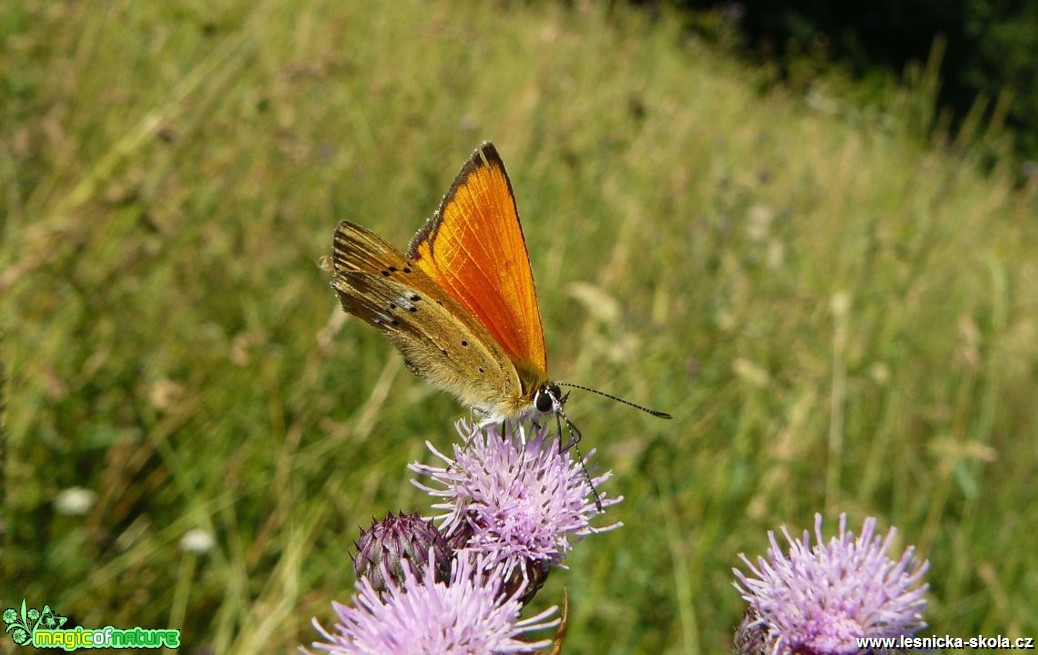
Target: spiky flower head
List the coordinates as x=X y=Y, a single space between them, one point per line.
x=819 y=599
x=465 y=615
x=511 y=494
x=397 y=543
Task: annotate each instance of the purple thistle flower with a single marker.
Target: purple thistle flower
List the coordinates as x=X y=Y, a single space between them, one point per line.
x=819 y=599
x=417 y=615
x=513 y=496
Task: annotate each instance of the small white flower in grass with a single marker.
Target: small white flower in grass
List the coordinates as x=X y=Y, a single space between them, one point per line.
x=820 y=599
x=513 y=495
x=465 y=615
x=74 y=501
x=197 y=541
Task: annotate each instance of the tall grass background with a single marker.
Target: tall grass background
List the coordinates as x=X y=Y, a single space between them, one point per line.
x=841 y=316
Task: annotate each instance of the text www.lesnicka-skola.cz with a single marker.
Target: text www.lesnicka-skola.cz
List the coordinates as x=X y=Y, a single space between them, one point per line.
x=946 y=641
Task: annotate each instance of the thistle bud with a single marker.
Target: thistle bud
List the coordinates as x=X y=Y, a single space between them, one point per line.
x=395 y=541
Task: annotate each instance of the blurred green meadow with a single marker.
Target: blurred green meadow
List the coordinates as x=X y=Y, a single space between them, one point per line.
x=841 y=316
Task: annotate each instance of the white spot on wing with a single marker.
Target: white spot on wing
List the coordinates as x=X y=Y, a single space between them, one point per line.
x=404 y=302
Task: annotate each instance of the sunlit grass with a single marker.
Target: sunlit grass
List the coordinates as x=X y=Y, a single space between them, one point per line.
x=840 y=318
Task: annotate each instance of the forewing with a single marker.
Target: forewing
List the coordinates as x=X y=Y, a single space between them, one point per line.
x=474 y=249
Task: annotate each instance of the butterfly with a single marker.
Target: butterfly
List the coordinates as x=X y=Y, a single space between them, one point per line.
x=460 y=304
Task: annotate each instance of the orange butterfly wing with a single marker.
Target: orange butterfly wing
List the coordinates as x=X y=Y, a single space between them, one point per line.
x=473 y=247
x=440 y=341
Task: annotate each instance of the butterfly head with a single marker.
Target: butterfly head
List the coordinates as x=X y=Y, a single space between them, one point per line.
x=548 y=399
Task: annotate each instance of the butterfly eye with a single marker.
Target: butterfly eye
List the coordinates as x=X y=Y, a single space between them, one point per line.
x=544 y=400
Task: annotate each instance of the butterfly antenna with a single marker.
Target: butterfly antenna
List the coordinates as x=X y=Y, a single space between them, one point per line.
x=647 y=410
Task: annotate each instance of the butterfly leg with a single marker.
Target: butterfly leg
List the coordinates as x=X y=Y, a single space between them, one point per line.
x=504 y=428
x=574 y=439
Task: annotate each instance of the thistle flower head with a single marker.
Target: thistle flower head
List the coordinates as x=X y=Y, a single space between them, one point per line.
x=512 y=495
x=415 y=615
x=398 y=542
x=820 y=599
